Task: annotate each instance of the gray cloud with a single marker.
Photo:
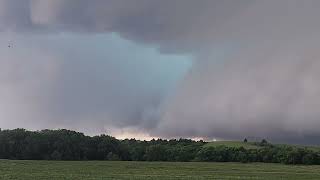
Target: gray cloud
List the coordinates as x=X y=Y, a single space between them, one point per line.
x=172 y=25
x=60 y=81
x=274 y=96
x=255 y=70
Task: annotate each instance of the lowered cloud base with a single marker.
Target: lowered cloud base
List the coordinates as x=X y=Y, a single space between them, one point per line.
x=255 y=69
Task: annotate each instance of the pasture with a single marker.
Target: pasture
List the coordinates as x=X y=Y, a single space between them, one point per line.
x=118 y=170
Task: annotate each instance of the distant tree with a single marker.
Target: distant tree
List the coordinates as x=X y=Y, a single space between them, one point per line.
x=112 y=157
x=56 y=155
x=243 y=157
x=70 y=145
x=156 y=153
x=309 y=158
x=245 y=140
x=264 y=142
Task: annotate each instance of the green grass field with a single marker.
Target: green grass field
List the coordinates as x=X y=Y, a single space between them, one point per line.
x=30 y=170
x=251 y=145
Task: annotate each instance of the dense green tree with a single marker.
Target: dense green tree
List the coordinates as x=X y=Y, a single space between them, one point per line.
x=70 y=145
x=156 y=152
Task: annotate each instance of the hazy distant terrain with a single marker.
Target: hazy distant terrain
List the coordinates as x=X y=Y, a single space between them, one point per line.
x=252 y=145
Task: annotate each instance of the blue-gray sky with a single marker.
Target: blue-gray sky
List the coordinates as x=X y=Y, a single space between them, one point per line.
x=84 y=81
x=212 y=69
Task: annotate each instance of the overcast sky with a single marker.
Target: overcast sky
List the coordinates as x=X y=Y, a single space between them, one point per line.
x=145 y=68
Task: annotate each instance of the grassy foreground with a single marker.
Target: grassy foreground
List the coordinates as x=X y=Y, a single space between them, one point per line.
x=151 y=170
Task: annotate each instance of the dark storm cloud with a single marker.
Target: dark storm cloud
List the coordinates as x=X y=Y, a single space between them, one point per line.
x=255 y=70
x=172 y=24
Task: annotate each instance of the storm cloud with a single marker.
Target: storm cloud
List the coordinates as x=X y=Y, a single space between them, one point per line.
x=255 y=70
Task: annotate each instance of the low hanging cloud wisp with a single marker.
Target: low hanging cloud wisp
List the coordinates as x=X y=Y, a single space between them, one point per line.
x=255 y=70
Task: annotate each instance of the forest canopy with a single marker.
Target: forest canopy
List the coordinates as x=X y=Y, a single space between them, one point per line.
x=71 y=145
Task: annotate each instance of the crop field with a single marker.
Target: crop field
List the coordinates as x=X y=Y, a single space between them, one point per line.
x=30 y=170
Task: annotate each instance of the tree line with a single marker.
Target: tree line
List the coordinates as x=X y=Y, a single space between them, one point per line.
x=70 y=145
x=268 y=154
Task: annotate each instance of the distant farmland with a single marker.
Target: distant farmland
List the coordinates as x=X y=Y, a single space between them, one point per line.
x=252 y=145
x=30 y=170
